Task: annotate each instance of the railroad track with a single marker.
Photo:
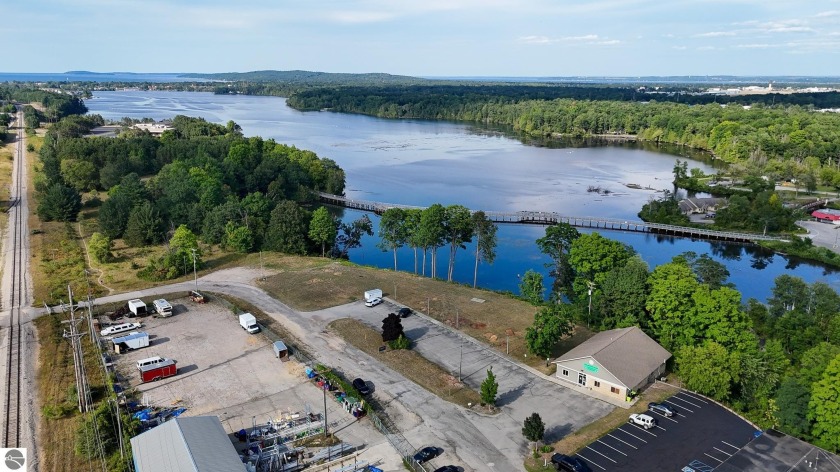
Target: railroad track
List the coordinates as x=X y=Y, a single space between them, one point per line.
x=16 y=295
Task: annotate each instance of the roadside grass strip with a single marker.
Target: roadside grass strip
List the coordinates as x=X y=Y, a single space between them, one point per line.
x=614 y=449
x=602 y=454
x=590 y=461
x=620 y=440
x=631 y=434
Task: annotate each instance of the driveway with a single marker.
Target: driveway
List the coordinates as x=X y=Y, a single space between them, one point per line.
x=521 y=392
x=822 y=234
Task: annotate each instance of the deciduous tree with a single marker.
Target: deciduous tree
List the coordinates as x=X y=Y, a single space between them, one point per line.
x=392 y=234
x=533 y=429
x=556 y=244
x=552 y=322
x=531 y=287
x=708 y=369
x=288 y=228
x=484 y=231
x=824 y=408
x=322 y=228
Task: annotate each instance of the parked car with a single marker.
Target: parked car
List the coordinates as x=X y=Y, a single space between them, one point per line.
x=373 y=301
x=645 y=421
x=361 y=386
x=120 y=328
x=662 y=409
x=404 y=312
x=426 y=454
x=568 y=463
x=447 y=468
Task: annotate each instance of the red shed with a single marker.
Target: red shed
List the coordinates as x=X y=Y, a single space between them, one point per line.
x=161 y=370
x=827 y=215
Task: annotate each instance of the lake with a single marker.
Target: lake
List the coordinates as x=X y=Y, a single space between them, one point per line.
x=424 y=162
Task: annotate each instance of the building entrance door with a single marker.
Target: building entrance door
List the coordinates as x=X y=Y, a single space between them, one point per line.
x=582 y=379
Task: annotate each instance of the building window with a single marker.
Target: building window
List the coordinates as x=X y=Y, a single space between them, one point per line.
x=565 y=373
x=614 y=390
x=597 y=384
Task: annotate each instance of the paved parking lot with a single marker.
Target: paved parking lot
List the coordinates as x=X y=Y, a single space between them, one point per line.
x=700 y=436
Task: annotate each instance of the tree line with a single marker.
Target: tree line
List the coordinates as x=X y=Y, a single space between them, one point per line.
x=777 y=363
x=732 y=133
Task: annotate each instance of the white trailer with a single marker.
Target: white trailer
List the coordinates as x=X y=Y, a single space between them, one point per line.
x=371 y=294
x=135 y=340
x=137 y=307
x=249 y=323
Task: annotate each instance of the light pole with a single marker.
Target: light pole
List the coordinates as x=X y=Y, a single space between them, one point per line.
x=460 y=361
x=591 y=285
x=195 y=274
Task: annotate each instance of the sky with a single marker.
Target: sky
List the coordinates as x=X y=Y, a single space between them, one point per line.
x=428 y=38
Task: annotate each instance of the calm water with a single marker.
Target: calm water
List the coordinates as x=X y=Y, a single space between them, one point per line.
x=420 y=163
x=91 y=77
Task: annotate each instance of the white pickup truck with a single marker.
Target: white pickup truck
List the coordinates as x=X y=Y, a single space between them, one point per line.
x=644 y=421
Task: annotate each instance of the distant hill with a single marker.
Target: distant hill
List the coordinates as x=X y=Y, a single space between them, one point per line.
x=310 y=78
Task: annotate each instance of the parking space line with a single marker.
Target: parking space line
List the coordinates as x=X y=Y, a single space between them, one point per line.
x=625 y=442
x=730 y=445
x=602 y=454
x=722 y=451
x=660 y=427
x=681 y=406
x=694 y=397
x=666 y=417
x=713 y=457
x=614 y=449
x=643 y=429
x=631 y=434
x=590 y=461
x=686 y=401
x=680 y=414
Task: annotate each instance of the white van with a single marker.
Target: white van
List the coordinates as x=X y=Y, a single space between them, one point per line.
x=150 y=361
x=120 y=328
x=163 y=308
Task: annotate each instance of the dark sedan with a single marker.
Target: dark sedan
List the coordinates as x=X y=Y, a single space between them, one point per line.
x=404 y=312
x=361 y=386
x=568 y=463
x=662 y=409
x=426 y=454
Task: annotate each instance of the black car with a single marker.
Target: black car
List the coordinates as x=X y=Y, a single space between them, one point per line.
x=426 y=454
x=661 y=408
x=361 y=386
x=568 y=463
x=447 y=468
x=404 y=312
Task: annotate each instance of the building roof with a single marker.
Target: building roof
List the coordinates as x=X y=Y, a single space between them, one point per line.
x=774 y=451
x=280 y=346
x=628 y=353
x=191 y=444
x=129 y=337
x=827 y=214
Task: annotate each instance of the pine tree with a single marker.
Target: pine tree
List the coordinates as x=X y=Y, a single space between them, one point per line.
x=534 y=428
x=489 y=388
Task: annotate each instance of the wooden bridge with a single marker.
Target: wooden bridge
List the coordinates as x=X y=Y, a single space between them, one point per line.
x=551 y=218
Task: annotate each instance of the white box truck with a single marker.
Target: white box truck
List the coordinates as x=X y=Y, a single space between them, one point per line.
x=249 y=323
x=137 y=307
x=371 y=294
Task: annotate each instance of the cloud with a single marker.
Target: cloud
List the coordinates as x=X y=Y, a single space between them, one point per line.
x=679 y=48
x=754 y=46
x=706 y=48
x=588 y=39
x=827 y=14
x=715 y=34
x=353 y=17
x=782 y=26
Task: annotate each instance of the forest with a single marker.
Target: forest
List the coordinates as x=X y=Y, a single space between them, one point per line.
x=732 y=133
x=198 y=181
x=777 y=363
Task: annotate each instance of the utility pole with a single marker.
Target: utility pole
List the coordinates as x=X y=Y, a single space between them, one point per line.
x=325 y=412
x=262 y=266
x=591 y=285
x=507 y=345
x=78 y=362
x=460 y=360
x=195 y=274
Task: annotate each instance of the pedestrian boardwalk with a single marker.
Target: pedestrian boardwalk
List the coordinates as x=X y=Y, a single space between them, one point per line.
x=551 y=218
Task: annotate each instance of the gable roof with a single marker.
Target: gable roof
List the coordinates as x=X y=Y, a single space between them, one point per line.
x=628 y=353
x=191 y=444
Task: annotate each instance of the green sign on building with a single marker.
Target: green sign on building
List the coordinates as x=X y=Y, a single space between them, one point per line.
x=590 y=368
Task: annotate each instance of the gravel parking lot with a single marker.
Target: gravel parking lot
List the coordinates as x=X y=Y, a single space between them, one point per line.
x=699 y=437
x=226 y=372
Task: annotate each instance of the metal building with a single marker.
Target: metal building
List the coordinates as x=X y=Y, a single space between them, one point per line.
x=192 y=444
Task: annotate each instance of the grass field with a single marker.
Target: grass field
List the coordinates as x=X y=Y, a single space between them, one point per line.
x=410 y=364
x=491 y=317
